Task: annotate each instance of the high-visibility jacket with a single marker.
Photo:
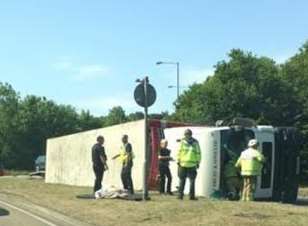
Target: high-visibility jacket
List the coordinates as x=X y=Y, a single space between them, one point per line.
x=250 y=162
x=126 y=157
x=189 y=154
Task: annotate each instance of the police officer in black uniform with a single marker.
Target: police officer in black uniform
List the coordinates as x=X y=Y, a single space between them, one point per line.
x=99 y=160
x=164 y=171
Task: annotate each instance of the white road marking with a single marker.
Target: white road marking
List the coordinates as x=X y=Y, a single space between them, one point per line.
x=28 y=213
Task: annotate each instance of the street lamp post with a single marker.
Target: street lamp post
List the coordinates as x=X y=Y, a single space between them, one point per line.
x=177 y=74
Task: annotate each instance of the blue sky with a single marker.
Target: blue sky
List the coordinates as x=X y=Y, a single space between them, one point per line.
x=89 y=53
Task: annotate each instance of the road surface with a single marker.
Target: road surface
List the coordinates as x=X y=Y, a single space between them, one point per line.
x=21 y=214
x=11 y=215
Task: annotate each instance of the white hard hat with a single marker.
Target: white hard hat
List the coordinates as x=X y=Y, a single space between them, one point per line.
x=253 y=142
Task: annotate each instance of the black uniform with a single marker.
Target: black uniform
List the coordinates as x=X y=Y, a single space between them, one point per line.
x=126 y=173
x=98 y=166
x=164 y=170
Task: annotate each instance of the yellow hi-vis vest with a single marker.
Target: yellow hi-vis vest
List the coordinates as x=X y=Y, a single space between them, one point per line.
x=250 y=162
x=189 y=155
x=125 y=157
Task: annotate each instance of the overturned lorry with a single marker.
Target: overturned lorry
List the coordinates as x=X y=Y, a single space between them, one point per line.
x=280 y=146
x=69 y=157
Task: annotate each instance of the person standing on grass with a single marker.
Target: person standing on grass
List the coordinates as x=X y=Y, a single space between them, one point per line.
x=99 y=160
x=251 y=163
x=164 y=171
x=126 y=157
x=189 y=157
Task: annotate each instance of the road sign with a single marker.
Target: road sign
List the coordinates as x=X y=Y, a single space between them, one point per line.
x=139 y=95
x=145 y=96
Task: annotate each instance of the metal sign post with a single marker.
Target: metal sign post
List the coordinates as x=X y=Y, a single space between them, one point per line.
x=145 y=96
x=146 y=141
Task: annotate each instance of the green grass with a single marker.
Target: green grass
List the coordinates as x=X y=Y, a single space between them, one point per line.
x=161 y=210
x=16 y=172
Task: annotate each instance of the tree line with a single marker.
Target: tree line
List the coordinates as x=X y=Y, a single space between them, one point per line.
x=26 y=123
x=244 y=85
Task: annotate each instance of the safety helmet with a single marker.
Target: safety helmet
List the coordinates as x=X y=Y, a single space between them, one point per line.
x=252 y=143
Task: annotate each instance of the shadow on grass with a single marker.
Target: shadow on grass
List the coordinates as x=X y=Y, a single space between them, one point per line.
x=256 y=216
x=4 y=212
x=134 y=197
x=85 y=196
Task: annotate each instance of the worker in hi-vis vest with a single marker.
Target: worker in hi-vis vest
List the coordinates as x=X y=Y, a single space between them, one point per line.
x=126 y=156
x=189 y=157
x=250 y=162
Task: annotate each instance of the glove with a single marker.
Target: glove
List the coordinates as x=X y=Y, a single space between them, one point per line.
x=197 y=166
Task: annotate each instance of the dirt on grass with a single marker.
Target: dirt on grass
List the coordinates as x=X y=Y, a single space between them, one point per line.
x=160 y=210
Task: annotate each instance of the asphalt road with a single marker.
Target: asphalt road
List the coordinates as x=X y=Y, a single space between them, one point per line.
x=19 y=213
x=14 y=216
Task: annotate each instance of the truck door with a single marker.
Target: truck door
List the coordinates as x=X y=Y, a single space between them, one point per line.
x=266 y=139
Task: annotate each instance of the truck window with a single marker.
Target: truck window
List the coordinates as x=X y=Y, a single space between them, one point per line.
x=236 y=141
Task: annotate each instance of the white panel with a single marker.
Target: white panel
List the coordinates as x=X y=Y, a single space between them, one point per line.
x=69 y=157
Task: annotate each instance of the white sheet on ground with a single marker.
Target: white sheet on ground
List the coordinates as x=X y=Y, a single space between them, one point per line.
x=111 y=193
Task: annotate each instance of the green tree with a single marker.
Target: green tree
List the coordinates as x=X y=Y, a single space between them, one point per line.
x=295 y=73
x=246 y=85
x=8 y=121
x=135 y=116
x=115 y=116
x=40 y=119
x=86 y=121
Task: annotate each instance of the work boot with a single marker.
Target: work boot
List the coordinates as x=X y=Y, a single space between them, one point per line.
x=180 y=197
x=193 y=198
x=170 y=193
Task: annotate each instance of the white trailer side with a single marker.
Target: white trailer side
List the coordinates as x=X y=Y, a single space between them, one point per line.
x=69 y=157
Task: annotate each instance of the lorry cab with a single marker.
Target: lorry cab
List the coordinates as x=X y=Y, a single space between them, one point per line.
x=278 y=145
x=236 y=140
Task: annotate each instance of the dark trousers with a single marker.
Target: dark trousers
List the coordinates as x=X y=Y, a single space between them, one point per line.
x=99 y=173
x=191 y=173
x=164 y=172
x=126 y=176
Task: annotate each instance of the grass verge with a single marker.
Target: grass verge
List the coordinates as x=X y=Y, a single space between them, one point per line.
x=161 y=210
